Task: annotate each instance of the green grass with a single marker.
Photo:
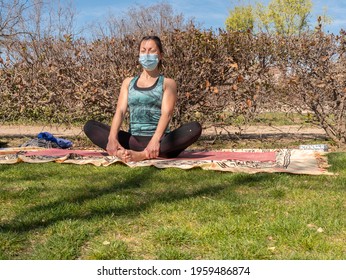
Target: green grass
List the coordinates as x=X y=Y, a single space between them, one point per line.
x=282 y=118
x=270 y=118
x=62 y=211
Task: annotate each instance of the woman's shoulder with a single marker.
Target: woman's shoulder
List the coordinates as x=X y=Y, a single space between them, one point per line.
x=127 y=81
x=169 y=82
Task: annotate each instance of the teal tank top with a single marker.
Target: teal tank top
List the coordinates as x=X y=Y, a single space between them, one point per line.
x=145 y=107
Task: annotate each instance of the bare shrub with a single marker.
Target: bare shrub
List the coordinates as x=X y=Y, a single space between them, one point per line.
x=316 y=79
x=138 y=20
x=221 y=76
x=11 y=16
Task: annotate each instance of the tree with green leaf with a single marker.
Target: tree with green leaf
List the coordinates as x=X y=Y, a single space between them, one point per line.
x=241 y=18
x=285 y=17
x=289 y=16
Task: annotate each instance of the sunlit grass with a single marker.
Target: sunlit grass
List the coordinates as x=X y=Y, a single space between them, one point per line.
x=61 y=211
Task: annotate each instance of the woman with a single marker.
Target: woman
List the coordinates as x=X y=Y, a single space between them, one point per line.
x=150 y=98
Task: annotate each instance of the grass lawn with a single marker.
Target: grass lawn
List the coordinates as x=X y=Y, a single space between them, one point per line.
x=62 y=211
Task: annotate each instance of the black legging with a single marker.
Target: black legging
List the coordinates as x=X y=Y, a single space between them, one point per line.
x=171 y=144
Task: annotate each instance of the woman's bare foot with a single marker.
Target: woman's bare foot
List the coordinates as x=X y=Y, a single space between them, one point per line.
x=130 y=155
x=122 y=154
x=136 y=156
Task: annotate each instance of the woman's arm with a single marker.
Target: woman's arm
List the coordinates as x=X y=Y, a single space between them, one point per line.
x=167 y=108
x=113 y=145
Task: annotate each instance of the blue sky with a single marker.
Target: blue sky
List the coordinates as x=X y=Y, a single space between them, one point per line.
x=210 y=13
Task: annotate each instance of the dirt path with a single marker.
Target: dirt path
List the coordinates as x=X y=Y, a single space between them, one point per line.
x=25 y=131
x=60 y=131
x=33 y=130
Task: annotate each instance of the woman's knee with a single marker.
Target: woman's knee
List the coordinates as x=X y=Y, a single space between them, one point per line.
x=91 y=125
x=88 y=126
x=196 y=127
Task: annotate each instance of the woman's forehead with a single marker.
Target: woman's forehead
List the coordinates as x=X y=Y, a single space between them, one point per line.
x=148 y=44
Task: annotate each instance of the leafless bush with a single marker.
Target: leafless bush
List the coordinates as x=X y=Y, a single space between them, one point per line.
x=11 y=17
x=64 y=81
x=154 y=19
x=220 y=76
x=316 y=79
x=75 y=79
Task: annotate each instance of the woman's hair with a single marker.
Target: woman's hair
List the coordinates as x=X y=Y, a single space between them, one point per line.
x=156 y=39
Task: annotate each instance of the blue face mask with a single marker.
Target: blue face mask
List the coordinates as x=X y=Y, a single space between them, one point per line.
x=149 y=61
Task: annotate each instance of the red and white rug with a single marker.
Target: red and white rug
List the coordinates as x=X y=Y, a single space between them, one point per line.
x=232 y=160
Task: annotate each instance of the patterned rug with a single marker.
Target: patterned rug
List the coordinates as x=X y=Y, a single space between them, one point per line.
x=231 y=160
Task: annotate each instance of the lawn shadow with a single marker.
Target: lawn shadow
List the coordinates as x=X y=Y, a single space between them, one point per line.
x=40 y=216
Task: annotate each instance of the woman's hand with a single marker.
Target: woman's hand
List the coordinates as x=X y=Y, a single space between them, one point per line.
x=153 y=149
x=113 y=146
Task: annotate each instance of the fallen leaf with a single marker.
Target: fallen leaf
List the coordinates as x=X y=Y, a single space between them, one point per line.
x=106 y=242
x=320 y=230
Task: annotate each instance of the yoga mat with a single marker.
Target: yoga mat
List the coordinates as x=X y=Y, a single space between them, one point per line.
x=293 y=161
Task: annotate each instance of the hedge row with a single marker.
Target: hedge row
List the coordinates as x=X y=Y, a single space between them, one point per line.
x=221 y=77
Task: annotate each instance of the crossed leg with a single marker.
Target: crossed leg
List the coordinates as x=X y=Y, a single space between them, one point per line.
x=171 y=144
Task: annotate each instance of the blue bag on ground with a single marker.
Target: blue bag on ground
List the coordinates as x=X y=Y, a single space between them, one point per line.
x=46 y=136
x=62 y=143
